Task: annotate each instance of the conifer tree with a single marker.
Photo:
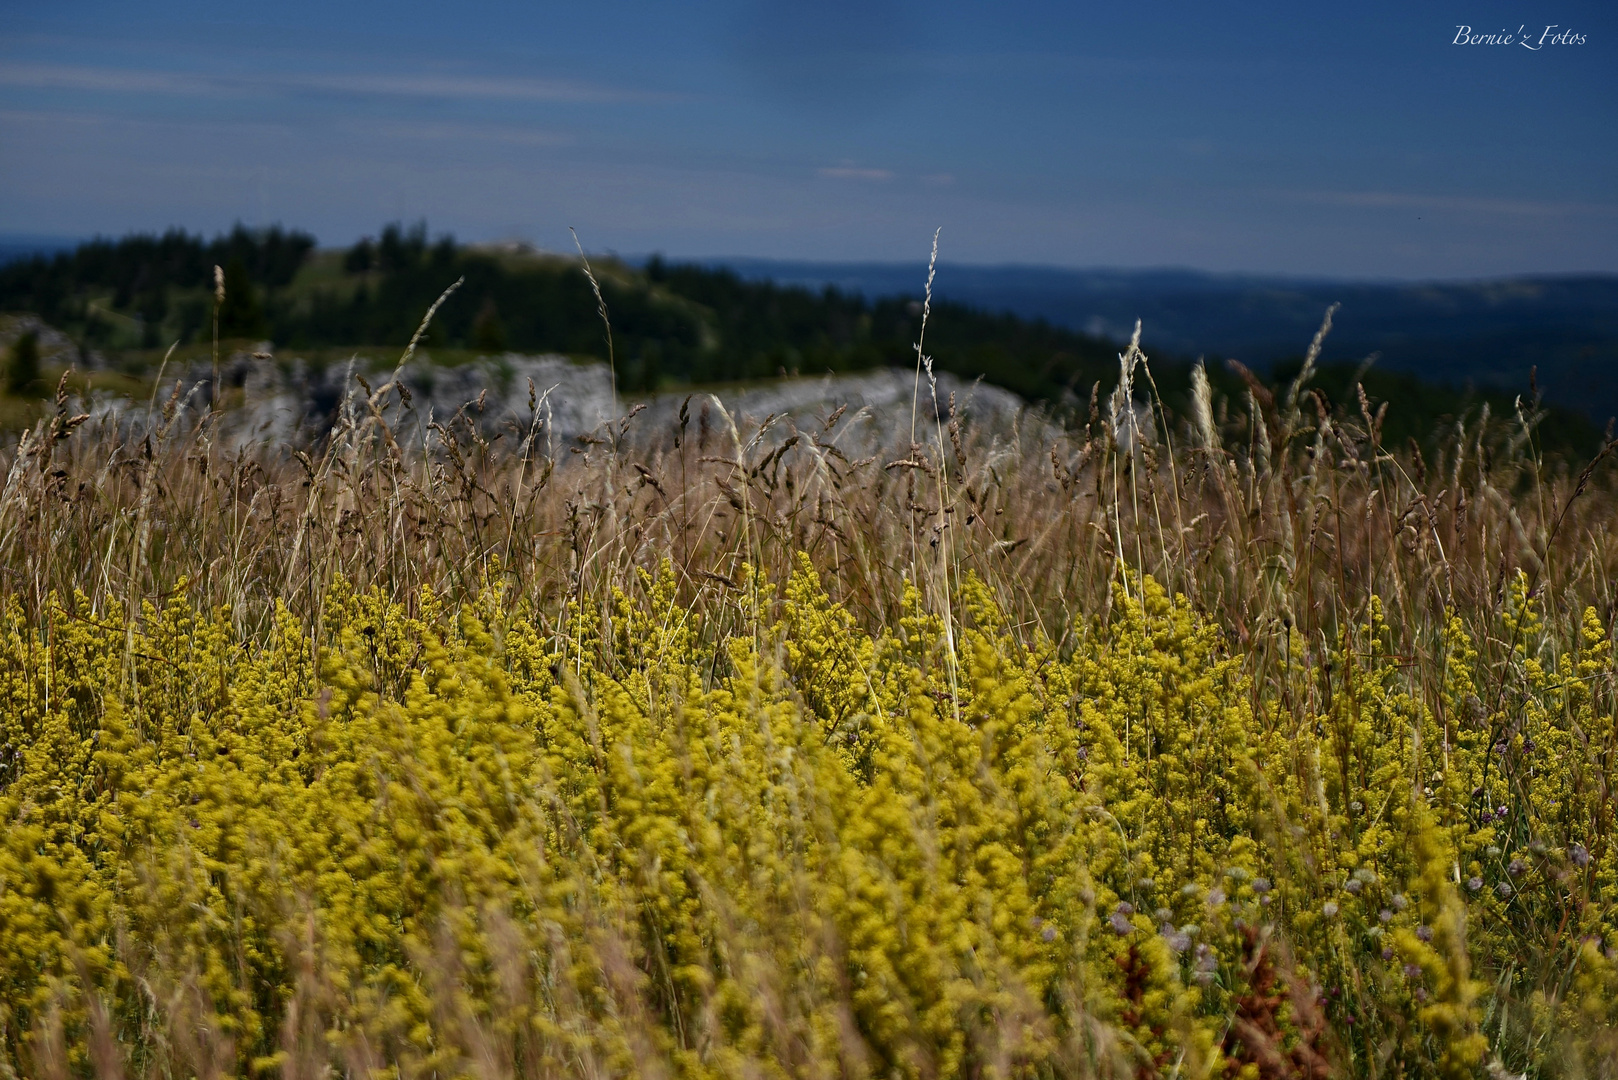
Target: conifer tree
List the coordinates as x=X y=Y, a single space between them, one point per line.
x=22 y=363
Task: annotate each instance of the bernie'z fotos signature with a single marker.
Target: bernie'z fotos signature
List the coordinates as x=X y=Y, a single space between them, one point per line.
x=1551 y=35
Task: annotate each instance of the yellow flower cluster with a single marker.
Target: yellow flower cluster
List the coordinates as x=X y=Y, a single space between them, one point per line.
x=754 y=840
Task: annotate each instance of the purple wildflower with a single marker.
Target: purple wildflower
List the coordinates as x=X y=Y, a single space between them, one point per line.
x=1206 y=965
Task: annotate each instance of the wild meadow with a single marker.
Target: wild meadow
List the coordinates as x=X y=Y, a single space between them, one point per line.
x=1222 y=740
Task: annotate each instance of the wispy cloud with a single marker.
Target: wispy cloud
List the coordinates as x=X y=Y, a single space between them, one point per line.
x=1465 y=204
x=52 y=117
x=111 y=80
x=438 y=86
x=851 y=172
x=350 y=130
x=449 y=86
x=515 y=136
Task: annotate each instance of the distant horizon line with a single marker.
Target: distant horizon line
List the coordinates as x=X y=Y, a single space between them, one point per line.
x=20 y=244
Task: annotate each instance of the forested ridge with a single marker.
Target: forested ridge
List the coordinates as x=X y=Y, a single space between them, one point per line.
x=670 y=322
x=673 y=324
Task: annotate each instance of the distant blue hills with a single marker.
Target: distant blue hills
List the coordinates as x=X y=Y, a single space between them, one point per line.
x=14 y=246
x=1487 y=333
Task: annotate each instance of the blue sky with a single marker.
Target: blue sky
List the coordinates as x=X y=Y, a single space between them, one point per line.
x=1352 y=140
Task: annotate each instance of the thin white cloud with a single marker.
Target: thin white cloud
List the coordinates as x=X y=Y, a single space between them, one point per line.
x=50 y=118
x=111 y=80
x=449 y=86
x=850 y=172
x=515 y=136
x=54 y=120
x=1450 y=203
x=348 y=129
x=439 y=86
